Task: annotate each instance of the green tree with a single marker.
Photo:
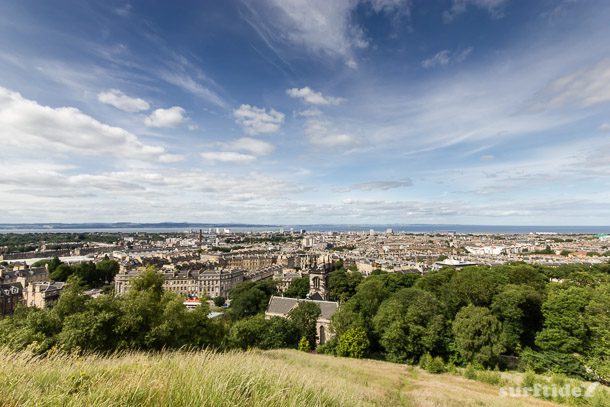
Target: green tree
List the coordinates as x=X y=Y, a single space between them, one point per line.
x=250 y=298
x=299 y=288
x=409 y=324
x=597 y=317
x=353 y=343
x=342 y=284
x=149 y=280
x=477 y=335
x=247 y=303
x=106 y=270
x=72 y=300
x=474 y=285
x=141 y=310
x=264 y=333
x=61 y=272
x=91 y=328
x=565 y=328
x=518 y=308
x=219 y=301
x=305 y=316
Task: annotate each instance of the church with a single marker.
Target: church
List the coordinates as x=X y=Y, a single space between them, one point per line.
x=318 y=293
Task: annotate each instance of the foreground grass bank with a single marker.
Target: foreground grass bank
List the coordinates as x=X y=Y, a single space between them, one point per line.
x=270 y=378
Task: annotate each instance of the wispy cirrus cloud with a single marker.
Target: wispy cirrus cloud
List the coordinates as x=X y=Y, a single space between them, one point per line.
x=583 y=88
x=322 y=27
x=377 y=185
x=250 y=145
x=495 y=8
x=446 y=57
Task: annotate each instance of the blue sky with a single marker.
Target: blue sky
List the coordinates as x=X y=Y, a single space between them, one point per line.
x=294 y=111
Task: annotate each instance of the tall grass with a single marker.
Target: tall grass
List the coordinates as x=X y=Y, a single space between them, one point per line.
x=202 y=378
x=254 y=378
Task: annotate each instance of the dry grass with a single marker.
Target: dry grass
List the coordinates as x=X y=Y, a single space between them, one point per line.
x=271 y=378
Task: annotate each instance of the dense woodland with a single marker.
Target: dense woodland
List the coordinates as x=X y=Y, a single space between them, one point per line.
x=511 y=316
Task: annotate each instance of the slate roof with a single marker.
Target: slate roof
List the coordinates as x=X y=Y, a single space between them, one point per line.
x=281 y=306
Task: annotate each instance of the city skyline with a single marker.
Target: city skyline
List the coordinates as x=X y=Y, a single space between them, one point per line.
x=297 y=112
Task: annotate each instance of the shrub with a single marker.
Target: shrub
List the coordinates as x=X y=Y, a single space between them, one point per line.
x=329 y=348
x=432 y=364
x=490 y=377
x=219 y=301
x=450 y=367
x=353 y=343
x=470 y=372
x=529 y=379
x=304 y=344
x=556 y=362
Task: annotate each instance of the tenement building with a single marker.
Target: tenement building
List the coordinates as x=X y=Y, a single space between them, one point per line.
x=43 y=294
x=190 y=283
x=10 y=296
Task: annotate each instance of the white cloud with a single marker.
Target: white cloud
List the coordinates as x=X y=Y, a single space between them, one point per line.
x=109 y=195
x=228 y=157
x=446 y=57
x=586 y=87
x=171 y=158
x=390 y=5
x=250 y=145
x=30 y=126
x=605 y=127
x=124 y=10
x=494 y=7
x=121 y=101
x=313 y=97
x=165 y=117
x=440 y=58
x=377 y=185
x=313 y=112
x=257 y=120
x=321 y=133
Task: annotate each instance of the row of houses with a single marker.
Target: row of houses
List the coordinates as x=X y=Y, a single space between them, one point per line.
x=29 y=286
x=190 y=283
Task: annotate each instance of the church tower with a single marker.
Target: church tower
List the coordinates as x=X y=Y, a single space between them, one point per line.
x=318 y=282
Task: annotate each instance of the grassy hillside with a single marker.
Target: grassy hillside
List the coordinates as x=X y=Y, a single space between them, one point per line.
x=257 y=378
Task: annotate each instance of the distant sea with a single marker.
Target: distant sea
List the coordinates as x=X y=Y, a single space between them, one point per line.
x=407 y=228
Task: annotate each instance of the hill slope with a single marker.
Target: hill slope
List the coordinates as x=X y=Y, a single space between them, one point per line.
x=257 y=378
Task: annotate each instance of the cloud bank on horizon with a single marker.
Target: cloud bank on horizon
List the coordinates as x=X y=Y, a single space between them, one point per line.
x=306 y=111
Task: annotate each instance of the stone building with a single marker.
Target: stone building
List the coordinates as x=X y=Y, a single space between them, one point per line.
x=284 y=277
x=190 y=283
x=24 y=275
x=43 y=294
x=318 y=294
x=281 y=306
x=250 y=262
x=10 y=296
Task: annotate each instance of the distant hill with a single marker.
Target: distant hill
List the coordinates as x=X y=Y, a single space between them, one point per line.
x=120 y=225
x=257 y=378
